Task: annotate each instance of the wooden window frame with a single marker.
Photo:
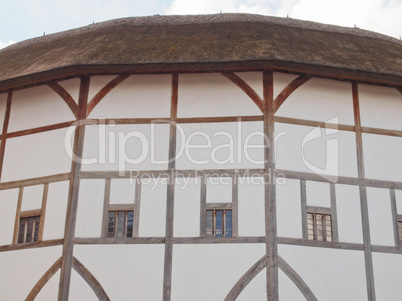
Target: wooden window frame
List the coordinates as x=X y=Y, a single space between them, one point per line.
x=29 y=214
x=107 y=207
x=314 y=212
x=233 y=206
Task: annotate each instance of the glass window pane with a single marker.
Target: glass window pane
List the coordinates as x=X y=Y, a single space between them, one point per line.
x=36 y=233
x=21 y=231
x=209 y=225
x=120 y=224
x=29 y=229
x=130 y=219
x=111 y=224
x=219 y=223
x=228 y=226
x=318 y=222
x=310 y=226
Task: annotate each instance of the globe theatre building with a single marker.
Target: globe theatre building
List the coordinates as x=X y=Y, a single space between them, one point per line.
x=214 y=157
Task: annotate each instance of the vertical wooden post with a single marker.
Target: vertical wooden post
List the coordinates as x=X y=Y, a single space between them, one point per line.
x=303 y=196
x=270 y=189
x=335 y=236
x=363 y=196
x=394 y=217
x=71 y=217
x=167 y=274
x=4 y=132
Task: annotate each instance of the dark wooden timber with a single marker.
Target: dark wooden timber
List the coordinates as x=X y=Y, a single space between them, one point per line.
x=32 y=245
x=104 y=91
x=167 y=273
x=106 y=202
x=270 y=194
x=65 y=96
x=220 y=119
x=245 y=87
x=4 y=132
x=40 y=129
x=280 y=99
x=35 y=181
x=363 y=197
x=17 y=215
x=43 y=280
x=69 y=232
x=91 y=280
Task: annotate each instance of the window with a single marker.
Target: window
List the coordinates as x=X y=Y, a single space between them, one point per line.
x=400 y=229
x=319 y=226
x=120 y=223
x=28 y=229
x=219 y=223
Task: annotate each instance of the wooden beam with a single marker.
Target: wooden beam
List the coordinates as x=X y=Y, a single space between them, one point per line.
x=41 y=129
x=35 y=181
x=71 y=217
x=119 y=241
x=32 y=245
x=297 y=280
x=43 y=280
x=167 y=273
x=303 y=198
x=106 y=201
x=334 y=215
x=245 y=87
x=270 y=189
x=104 y=91
x=246 y=279
x=4 y=132
x=17 y=215
x=289 y=89
x=363 y=197
x=65 y=96
x=394 y=217
x=91 y=280
x=43 y=211
x=220 y=119
x=312 y=123
x=137 y=207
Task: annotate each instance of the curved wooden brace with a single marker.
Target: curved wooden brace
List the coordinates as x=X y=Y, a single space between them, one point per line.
x=297 y=280
x=43 y=280
x=90 y=279
x=66 y=97
x=104 y=91
x=258 y=267
x=246 y=279
x=245 y=87
x=296 y=83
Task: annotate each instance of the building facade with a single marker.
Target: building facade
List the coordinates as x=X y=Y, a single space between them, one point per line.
x=221 y=157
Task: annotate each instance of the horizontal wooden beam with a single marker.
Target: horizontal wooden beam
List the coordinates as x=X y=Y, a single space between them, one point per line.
x=32 y=245
x=119 y=241
x=35 y=181
x=40 y=129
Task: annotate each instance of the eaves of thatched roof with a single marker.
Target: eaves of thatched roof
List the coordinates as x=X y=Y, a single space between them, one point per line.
x=204 y=43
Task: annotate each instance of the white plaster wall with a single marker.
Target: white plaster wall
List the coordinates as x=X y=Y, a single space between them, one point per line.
x=281 y=80
x=332 y=154
x=3 y=103
x=122 y=191
x=287 y=289
x=8 y=201
x=187 y=196
x=125 y=271
x=139 y=96
x=220 y=145
x=320 y=100
x=349 y=214
x=398 y=196
x=212 y=94
x=251 y=209
x=51 y=289
x=387 y=276
x=382 y=157
x=72 y=86
x=56 y=209
x=153 y=207
x=208 y=272
x=318 y=194
x=125 y=147
x=32 y=197
x=256 y=289
x=219 y=189
x=79 y=289
x=380 y=216
x=97 y=83
x=380 y=107
x=28 y=266
x=288 y=204
x=331 y=274
x=36 y=155
x=35 y=107
x=90 y=208
x=254 y=80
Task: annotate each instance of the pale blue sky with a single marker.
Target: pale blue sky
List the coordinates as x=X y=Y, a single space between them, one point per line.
x=24 y=19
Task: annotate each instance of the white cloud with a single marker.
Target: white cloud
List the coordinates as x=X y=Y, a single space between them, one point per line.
x=4 y=44
x=383 y=16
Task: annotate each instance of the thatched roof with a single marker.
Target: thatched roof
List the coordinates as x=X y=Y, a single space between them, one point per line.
x=204 y=42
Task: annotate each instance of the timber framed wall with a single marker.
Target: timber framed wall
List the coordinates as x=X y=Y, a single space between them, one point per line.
x=169 y=251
